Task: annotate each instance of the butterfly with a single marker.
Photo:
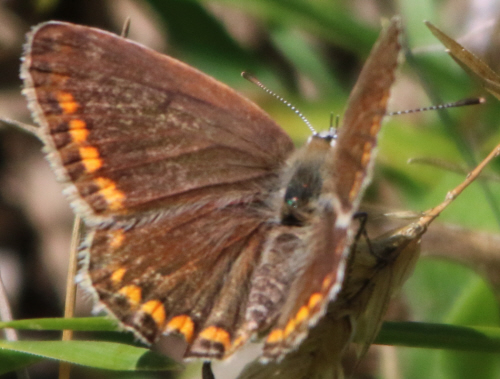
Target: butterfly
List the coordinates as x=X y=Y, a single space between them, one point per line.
x=202 y=219
x=374 y=274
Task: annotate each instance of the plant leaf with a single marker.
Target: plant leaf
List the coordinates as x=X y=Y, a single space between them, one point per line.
x=103 y=355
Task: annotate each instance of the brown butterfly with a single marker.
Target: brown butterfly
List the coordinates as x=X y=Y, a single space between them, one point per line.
x=374 y=274
x=202 y=219
x=375 y=270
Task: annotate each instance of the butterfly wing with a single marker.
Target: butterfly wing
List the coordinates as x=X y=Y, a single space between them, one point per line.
x=372 y=276
x=319 y=356
x=170 y=170
x=348 y=167
x=178 y=275
x=353 y=156
x=130 y=130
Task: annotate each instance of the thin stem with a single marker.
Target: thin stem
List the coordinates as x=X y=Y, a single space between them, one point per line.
x=67 y=335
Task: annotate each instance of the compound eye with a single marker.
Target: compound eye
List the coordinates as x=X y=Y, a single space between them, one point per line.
x=293 y=202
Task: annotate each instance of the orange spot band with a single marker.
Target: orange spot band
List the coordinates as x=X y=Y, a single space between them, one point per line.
x=90 y=158
x=356 y=186
x=77 y=123
x=156 y=310
x=111 y=194
x=217 y=335
x=275 y=336
x=117 y=275
x=182 y=324
x=326 y=282
x=133 y=293
x=78 y=130
x=377 y=120
x=116 y=238
x=367 y=153
x=290 y=327
x=302 y=315
x=79 y=135
x=67 y=102
x=314 y=300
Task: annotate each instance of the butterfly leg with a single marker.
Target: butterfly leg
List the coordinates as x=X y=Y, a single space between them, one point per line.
x=363 y=219
x=206 y=371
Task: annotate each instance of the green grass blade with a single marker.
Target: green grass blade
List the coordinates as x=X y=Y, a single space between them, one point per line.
x=102 y=355
x=440 y=336
x=88 y=324
x=12 y=360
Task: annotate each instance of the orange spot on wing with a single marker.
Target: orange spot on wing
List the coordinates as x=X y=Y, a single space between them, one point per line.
x=67 y=102
x=182 y=324
x=356 y=185
x=78 y=130
x=238 y=342
x=90 y=158
x=377 y=120
x=117 y=275
x=113 y=196
x=77 y=123
x=156 y=310
x=217 y=335
x=314 y=300
x=367 y=153
x=133 y=293
x=79 y=135
x=326 y=282
x=290 y=327
x=89 y=152
x=275 y=336
x=117 y=238
x=302 y=315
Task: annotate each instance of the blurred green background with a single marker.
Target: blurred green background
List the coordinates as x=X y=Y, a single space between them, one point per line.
x=310 y=52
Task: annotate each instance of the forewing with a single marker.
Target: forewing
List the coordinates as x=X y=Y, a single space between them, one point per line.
x=354 y=152
x=348 y=168
x=130 y=130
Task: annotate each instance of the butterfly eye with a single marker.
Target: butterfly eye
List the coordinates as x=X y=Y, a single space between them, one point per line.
x=293 y=202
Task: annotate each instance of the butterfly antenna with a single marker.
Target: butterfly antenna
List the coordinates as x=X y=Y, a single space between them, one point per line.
x=256 y=81
x=460 y=103
x=334 y=127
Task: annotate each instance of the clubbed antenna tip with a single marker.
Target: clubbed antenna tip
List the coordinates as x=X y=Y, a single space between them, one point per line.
x=459 y=103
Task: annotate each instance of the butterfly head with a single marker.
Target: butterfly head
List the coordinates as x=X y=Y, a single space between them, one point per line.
x=304 y=185
x=329 y=136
